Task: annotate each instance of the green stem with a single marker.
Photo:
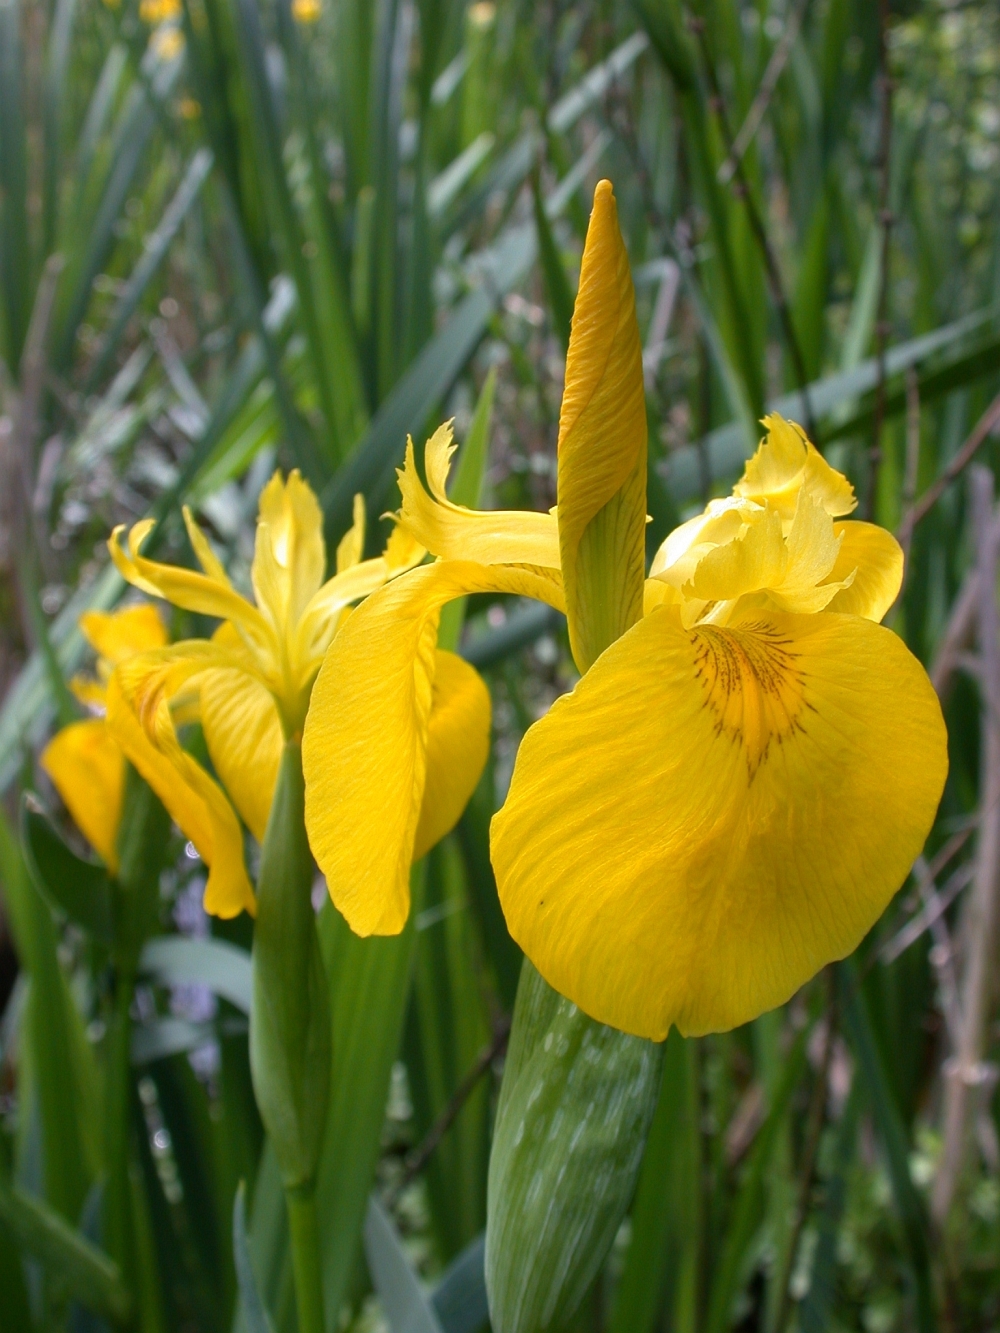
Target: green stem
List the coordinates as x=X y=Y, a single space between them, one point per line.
x=117 y=1228
x=303 y=1227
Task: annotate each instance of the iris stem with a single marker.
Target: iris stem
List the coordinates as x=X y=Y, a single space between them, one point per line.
x=303 y=1228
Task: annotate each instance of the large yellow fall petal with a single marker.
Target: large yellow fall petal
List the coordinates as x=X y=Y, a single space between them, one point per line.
x=714 y=814
x=87 y=769
x=453 y=532
x=115 y=635
x=364 y=745
x=139 y=719
x=876 y=559
x=244 y=737
x=458 y=742
x=602 y=445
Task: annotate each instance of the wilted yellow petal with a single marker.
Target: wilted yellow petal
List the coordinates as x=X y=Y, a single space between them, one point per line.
x=787 y=462
x=876 y=559
x=139 y=693
x=602 y=445
x=714 y=814
x=365 y=738
x=244 y=737
x=352 y=544
x=492 y=537
x=87 y=769
x=458 y=742
x=116 y=635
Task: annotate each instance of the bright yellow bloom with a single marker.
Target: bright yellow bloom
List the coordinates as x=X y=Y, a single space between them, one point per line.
x=738 y=784
x=306 y=11
x=250 y=684
x=83 y=760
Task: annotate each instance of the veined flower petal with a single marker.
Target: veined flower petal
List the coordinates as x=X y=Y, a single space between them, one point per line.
x=714 y=814
x=491 y=537
x=458 y=742
x=87 y=769
x=188 y=589
x=364 y=746
x=244 y=737
x=115 y=635
x=602 y=445
x=876 y=560
x=139 y=718
x=289 y=553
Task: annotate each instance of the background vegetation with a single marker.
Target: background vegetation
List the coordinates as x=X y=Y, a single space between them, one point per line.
x=239 y=233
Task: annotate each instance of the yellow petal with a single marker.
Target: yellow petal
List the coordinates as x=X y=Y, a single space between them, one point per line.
x=785 y=463
x=207 y=558
x=244 y=737
x=754 y=560
x=491 y=537
x=714 y=814
x=88 y=692
x=116 y=635
x=289 y=554
x=187 y=588
x=876 y=559
x=458 y=742
x=87 y=769
x=139 y=718
x=352 y=544
x=602 y=445
x=365 y=739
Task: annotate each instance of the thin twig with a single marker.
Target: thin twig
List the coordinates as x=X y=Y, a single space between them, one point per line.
x=980 y=432
x=886 y=221
x=762 y=98
x=418 y=1157
x=982 y=910
x=741 y=188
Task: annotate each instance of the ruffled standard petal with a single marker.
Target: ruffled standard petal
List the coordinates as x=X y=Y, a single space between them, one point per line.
x=458 y=742
x=602 y=445
x=876 y=560
x=87 y=769
x=115 y=635
x=289 y=553
x=714 y=814
x=364 y=746
x=787 y=462
x=138 y=699
x=491 y=537
x=244 y=737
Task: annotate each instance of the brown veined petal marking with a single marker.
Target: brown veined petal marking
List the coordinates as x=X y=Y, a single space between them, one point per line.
x=714 y=814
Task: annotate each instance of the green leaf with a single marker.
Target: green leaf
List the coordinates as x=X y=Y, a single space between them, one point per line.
x=894 y=1141
x=173 y=960
x=557 y=286
x=571 y=1126
x=255 y=1316
x=459 y=1299
x=79 y=889
x=15 y=234
x=83 y=1271
x=401 y=1296
x=661 y=1265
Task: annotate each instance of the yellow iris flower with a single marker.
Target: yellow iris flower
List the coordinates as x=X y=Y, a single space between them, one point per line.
x=83 y=760
x=249 y=685
x=738 y=784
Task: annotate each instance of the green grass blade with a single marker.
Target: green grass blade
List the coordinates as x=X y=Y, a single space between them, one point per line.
x=15 y=254
x=57 y=80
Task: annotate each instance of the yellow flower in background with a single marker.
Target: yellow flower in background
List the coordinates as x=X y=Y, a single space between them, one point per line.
x=83 y=760
x=249 y=685
x=306 y=11
x=373 y=779
x=744 y=775
x=155 y=12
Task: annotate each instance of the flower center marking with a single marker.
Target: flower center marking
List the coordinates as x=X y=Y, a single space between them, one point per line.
x=754 y=685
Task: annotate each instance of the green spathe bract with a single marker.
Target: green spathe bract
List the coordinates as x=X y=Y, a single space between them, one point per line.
x=574 y=1112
